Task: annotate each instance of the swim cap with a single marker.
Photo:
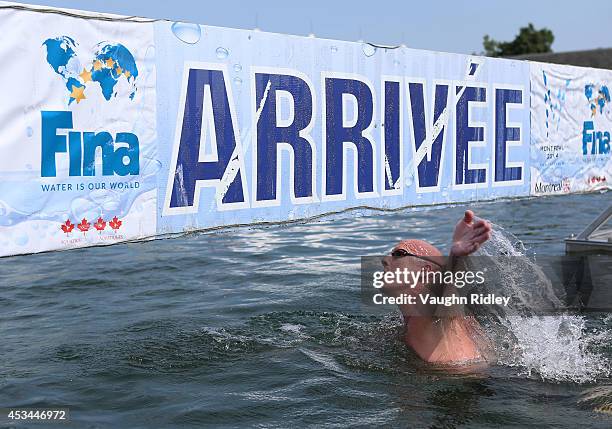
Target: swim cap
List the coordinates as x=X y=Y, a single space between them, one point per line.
x=418 y=247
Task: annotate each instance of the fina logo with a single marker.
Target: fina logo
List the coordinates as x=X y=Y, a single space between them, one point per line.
x=111 y=63
x=596 y=142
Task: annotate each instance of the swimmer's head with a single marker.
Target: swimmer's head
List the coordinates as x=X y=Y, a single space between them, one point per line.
x=418 y=247
x=414 y=256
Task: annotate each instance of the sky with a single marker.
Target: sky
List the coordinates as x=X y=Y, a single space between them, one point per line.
x=441 y=25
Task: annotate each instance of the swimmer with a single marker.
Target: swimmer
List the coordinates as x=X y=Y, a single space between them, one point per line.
x=451 y=339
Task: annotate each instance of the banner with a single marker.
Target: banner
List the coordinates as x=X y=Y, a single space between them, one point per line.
x=571 y=122
x=78 y=148
x=115 y=128
x=266 y=127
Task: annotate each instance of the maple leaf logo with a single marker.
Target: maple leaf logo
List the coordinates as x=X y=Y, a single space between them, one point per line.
x=84 y=226
x=115 y=223
x=67 y=227
x=566 y=185
x=100 y=224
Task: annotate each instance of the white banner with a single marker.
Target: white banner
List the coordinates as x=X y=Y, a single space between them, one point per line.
x=115 y=129
x=78 y=150
x=571 y=122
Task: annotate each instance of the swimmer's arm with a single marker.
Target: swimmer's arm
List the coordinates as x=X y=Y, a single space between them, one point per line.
x=470 y=233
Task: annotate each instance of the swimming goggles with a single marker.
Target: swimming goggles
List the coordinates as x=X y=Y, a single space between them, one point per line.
x=401 y=253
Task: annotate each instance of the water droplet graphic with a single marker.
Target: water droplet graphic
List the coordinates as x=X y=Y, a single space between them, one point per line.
x=187 y=32
x=149 y=59
x=237 y=68
x=22 y=239
x=29 y=131
x=368 y=49
x=237 y=81
x=396 y=63
x=100 y=195
x=83 y=208
x=334 y=49
x=111 y=206
x=222 y=53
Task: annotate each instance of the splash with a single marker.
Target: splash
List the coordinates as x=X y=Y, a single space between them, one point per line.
x=556 y=348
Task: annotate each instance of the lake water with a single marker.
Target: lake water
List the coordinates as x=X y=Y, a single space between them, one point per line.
x=265 y=327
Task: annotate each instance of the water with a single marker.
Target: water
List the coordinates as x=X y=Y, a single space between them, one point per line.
x=264 y=327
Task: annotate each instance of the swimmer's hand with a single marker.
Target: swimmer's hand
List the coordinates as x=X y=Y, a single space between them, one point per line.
x=469 y=235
